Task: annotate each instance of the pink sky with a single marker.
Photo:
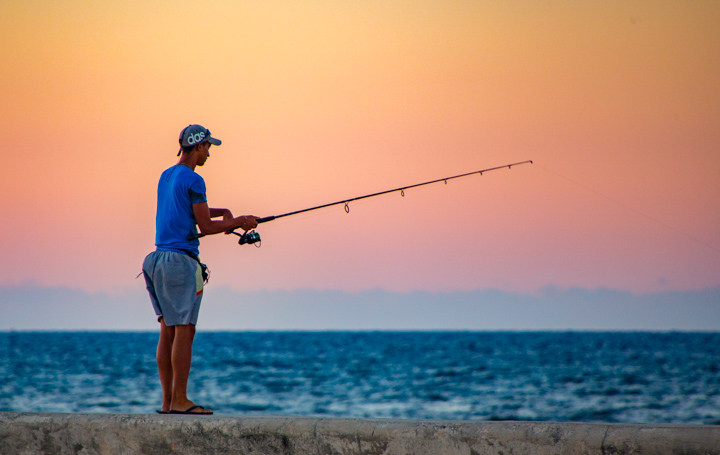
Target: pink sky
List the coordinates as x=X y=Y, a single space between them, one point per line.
x=618 y=104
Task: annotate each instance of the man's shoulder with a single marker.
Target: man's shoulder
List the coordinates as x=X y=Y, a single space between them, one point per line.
x=181 y=173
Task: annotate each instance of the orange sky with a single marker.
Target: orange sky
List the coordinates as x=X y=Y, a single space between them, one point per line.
x=618 y=104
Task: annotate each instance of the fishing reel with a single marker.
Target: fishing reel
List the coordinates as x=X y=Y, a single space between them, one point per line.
x=249 y=238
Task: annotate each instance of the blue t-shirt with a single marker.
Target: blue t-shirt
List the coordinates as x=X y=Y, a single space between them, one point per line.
x=179 y=188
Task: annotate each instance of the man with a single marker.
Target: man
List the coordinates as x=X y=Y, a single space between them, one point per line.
x=173 y=272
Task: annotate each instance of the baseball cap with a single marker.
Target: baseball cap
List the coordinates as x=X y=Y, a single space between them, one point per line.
x=196 y=134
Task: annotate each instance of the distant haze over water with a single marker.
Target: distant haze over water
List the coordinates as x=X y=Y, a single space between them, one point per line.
x=56 y=308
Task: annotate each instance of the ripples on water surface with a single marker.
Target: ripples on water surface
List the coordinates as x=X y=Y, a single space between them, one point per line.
x=610 y=377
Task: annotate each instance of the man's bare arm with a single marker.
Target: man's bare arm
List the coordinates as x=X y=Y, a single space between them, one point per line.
x=204 y=217
x=225 y=213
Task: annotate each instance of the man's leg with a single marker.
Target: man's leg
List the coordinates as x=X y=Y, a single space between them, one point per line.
x=164 y=362
x=181 y=359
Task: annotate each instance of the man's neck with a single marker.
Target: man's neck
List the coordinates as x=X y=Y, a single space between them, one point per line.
x=188 y=160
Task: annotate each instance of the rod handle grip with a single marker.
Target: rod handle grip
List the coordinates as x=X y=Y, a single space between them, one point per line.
x=266 y=219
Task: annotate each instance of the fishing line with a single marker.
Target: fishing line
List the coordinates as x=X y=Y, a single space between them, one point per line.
x=631 y=209
x=251 y=237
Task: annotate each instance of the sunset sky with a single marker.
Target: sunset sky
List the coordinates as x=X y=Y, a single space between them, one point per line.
x=616 y=102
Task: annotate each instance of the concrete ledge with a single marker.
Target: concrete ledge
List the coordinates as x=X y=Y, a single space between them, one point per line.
x=26 y=433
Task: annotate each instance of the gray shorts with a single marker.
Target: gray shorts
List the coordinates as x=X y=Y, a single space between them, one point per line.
x=174 y=282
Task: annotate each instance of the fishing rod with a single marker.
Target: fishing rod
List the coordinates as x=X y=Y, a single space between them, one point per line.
x=251 y=236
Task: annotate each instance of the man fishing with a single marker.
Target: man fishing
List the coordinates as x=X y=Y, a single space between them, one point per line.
x=173 y=273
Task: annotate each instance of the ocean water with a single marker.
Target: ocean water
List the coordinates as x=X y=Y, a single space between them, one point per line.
x=551 y=376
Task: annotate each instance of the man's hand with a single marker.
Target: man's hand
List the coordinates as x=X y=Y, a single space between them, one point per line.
x=250 y=222
x=247 y=222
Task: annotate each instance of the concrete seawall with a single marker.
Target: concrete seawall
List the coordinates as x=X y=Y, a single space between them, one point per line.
x=27 y=433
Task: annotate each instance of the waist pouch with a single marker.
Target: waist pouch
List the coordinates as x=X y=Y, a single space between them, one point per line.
x=203 y=268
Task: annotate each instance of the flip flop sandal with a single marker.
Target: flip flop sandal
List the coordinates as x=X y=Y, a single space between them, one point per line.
x=190 y=410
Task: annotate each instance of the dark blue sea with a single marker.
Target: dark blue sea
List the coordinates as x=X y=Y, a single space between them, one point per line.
x=551 y=376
